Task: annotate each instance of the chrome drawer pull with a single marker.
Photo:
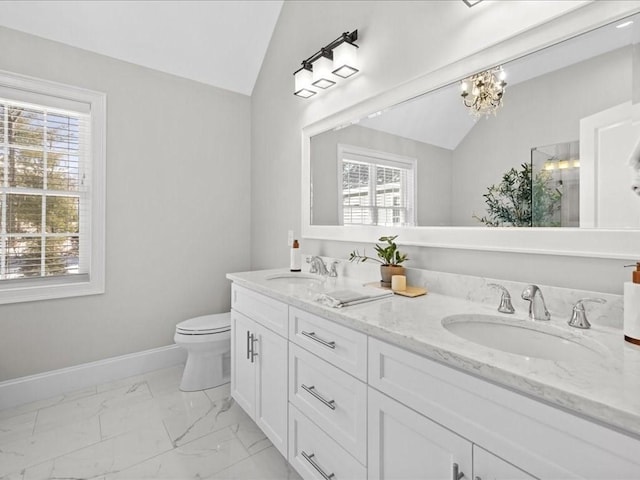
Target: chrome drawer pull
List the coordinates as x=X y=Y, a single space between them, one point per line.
x=313 y=336
x=312 y=391
x=253 y=353
x=309 y=458
x=249 y=344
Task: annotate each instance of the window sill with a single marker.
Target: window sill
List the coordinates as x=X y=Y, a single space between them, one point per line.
x=48 y=291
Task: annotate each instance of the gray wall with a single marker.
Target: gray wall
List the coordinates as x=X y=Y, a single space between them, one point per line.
x=178 y=211
x=433 y=166
x=399 y=41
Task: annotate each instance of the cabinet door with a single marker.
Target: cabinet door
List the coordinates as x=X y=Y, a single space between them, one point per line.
x=271 y=386
x=486 y=466
x=405 y=445
x=243 y=380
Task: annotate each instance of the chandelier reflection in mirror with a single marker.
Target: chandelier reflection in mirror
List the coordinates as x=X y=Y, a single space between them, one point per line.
x=483 y=92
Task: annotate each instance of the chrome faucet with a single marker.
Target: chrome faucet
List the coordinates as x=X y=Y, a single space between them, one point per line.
x=317 y=266
x=537 y=306
x=578 y=316
x=505 y=299
x=334 y=269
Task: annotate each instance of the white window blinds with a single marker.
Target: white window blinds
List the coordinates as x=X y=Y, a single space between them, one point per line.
x=44 y=194
x=377 y=188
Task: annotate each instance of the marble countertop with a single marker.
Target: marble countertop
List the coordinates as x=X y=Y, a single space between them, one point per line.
x=606 y=390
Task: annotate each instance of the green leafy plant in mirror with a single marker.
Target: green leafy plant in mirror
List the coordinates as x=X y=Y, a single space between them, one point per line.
x=387 y=254
x=522 y=199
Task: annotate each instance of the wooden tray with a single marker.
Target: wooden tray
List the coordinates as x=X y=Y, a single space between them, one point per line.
x=409 y=292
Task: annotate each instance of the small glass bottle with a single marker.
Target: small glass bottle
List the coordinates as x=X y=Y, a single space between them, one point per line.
x=296 y=261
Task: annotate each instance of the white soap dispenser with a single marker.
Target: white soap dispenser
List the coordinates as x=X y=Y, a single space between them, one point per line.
x=296 y=261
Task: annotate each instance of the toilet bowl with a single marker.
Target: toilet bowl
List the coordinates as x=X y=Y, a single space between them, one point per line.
x=207 y=340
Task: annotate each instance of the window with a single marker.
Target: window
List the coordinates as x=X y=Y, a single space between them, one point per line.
x=378 y=188
x=51 y=190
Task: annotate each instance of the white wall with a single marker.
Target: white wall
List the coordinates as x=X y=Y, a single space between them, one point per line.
x=178 y=211
x=399 y=42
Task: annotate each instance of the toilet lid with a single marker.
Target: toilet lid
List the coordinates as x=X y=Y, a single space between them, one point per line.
x=206 y=324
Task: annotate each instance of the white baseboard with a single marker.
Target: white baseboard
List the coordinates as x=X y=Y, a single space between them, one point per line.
x=56 y=382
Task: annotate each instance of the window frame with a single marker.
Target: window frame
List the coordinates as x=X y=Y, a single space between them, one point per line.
x=376 y=158
x=44 y=288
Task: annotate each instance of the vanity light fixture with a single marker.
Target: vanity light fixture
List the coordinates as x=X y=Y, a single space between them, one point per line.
x=482 y=93
x=326 y=67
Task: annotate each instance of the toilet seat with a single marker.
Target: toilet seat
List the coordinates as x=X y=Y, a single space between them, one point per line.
x=205 y=325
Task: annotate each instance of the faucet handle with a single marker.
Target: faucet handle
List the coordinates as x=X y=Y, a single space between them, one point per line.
x=313 y=268
x=505 y=299
x=579 y=316
x=334 y=270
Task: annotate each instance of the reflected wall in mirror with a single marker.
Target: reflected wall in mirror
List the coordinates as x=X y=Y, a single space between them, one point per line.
x=563 y=137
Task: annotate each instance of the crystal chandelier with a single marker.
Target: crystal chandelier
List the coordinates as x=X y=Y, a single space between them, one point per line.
x=483 y=92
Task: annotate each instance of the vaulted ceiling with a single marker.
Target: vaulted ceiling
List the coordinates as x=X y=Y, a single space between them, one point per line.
x=217 y=42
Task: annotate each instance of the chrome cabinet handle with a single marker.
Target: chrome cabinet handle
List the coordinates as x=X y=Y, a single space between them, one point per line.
x=253 y=353
x=313 y=336
x=309 y=458
x=249 y=344
x=477 y=478
x=312 y=390
x=456 y=475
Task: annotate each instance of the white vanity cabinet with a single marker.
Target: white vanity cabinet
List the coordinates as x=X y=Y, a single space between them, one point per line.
x=531 y=439
x=341 y=404
x=259 y=362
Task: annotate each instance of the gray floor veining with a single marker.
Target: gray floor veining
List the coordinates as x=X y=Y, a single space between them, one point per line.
x=139 y=427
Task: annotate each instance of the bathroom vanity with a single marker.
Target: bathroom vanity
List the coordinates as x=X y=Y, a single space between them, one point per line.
x=384 y=390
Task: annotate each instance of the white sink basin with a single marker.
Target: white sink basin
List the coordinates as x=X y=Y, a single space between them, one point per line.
x=295 y=278
x=524 y=337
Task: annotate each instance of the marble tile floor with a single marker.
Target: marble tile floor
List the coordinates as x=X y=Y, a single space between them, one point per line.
x=139 y=427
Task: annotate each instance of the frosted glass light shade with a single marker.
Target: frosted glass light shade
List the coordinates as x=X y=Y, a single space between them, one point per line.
x=345 y=60
x=322 y=72
x=302 y=81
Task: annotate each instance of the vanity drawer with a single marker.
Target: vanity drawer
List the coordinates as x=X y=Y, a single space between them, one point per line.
x=338 y=345
x=335 y=400
x=268 y=312
x=311 y=451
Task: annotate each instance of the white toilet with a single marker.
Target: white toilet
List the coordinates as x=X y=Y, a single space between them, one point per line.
x=207 y=340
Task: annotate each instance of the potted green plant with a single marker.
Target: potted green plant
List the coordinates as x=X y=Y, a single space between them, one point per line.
x=389 y=257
